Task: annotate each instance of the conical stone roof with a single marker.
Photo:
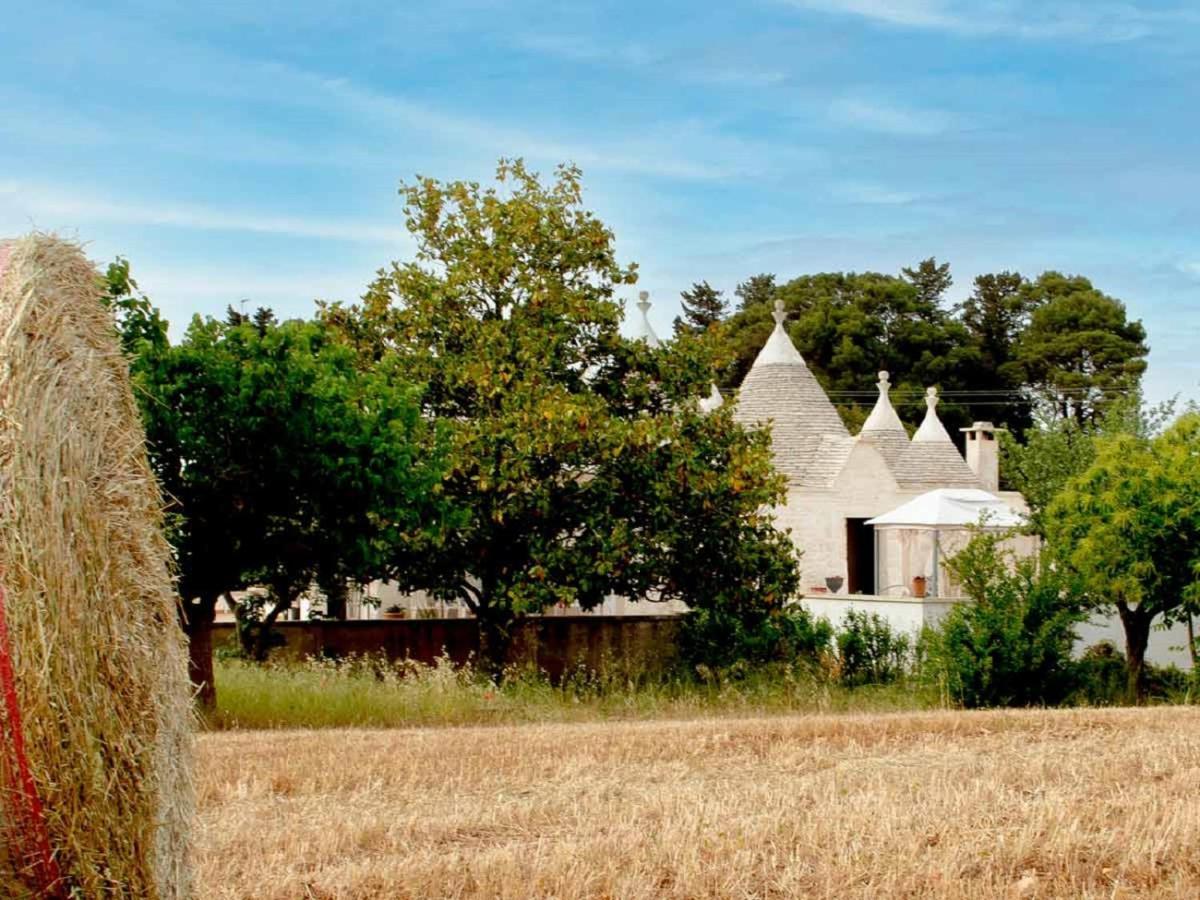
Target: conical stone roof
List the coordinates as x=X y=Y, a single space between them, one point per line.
x=931 y=459
x=883 y=428
x=780 y=389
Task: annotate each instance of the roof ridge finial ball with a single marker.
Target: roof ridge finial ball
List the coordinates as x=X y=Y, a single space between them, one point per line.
x=885 y=382
x=931 y=398
x=643 y=300
x=779 y=314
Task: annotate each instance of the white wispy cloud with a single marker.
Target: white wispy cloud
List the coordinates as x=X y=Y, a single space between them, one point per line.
x=889 y=118
x=574 y=48
x=696 y=65
x=60 y=207
x=1032 y=19
x=652 y=152
x=874 y=194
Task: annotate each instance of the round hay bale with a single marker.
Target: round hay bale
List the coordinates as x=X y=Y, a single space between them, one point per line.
x=95 y=743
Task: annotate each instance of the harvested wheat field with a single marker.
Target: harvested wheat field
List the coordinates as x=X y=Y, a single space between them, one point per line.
x=948 y=804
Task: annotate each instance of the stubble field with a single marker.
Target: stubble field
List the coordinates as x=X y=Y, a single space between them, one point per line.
x=1084 y=803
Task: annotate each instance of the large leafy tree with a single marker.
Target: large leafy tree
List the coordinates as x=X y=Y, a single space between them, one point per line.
x=1080 y=351
x=1129 y=528
x=703 y=307
x=1057 y=449
x=283 y=461
x=580 y=465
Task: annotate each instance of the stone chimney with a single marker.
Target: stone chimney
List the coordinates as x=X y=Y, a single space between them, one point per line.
x=983 y=454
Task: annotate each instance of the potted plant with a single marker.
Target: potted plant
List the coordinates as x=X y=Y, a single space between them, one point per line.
x=395 y=611
x=918 y=585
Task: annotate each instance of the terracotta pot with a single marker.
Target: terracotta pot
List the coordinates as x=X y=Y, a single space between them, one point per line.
x=393 y=615
x=918 y=586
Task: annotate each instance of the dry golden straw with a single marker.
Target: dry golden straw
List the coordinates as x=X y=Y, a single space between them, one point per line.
x=1023 y=805
x=99 y=661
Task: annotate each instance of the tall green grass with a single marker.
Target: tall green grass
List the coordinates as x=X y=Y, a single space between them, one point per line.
x=372 y=693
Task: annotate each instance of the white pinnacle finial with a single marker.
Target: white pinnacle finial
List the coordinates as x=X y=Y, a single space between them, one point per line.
x=931 y=428
x=645 y=329
x=779 y=314
x=883 y=418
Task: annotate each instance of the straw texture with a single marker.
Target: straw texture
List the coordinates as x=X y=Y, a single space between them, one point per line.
x=99 y=662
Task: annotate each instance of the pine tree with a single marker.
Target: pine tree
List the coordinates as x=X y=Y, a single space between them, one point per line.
x=703 y=307
x=931 y=280
x=757 y=290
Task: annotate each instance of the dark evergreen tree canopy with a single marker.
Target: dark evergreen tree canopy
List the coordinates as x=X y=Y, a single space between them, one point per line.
x=1007 y=347
x=930 y=279
x=996 y=314
x=757 y=290
x=1080 y=350
x=703 y=307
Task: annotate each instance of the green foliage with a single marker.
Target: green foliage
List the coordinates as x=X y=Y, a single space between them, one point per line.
x=1056 y=449
x=930 y=280
x=1128 y=528
x=1102 y=679
x=718 y=639
x=1011 y=645
x=579 y=464
x=1080 y=351
x=996 y=314
x=140 y=326
x=281 y=458
x=757 y=290
x=870 y=651
x=1052 y=453
x=703 y=307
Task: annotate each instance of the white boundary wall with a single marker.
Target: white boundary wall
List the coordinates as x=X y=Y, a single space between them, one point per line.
x=909 y=615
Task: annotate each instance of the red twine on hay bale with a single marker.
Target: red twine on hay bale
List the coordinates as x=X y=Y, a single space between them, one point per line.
x=26 y=820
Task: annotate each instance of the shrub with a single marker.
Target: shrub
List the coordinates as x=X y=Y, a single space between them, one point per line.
x=1012 y=645
x=716 y=638
x=1101 y=678
x=870 y=651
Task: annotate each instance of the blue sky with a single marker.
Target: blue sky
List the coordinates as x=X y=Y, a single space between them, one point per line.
x=235 y=150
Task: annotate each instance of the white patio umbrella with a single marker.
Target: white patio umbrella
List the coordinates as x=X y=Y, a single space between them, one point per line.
x=950 y=508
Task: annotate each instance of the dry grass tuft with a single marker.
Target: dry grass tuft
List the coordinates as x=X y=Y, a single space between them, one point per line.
x=1078 y=803
x=100 y=664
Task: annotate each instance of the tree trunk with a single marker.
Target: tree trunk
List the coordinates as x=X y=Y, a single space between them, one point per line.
x=1192 y=647
x=198 y=624
x=262 y=640
x=1137 y=636
x=335 y=593
x=495 y=638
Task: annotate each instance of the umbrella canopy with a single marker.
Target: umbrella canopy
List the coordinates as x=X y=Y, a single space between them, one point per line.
x=952 y=508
